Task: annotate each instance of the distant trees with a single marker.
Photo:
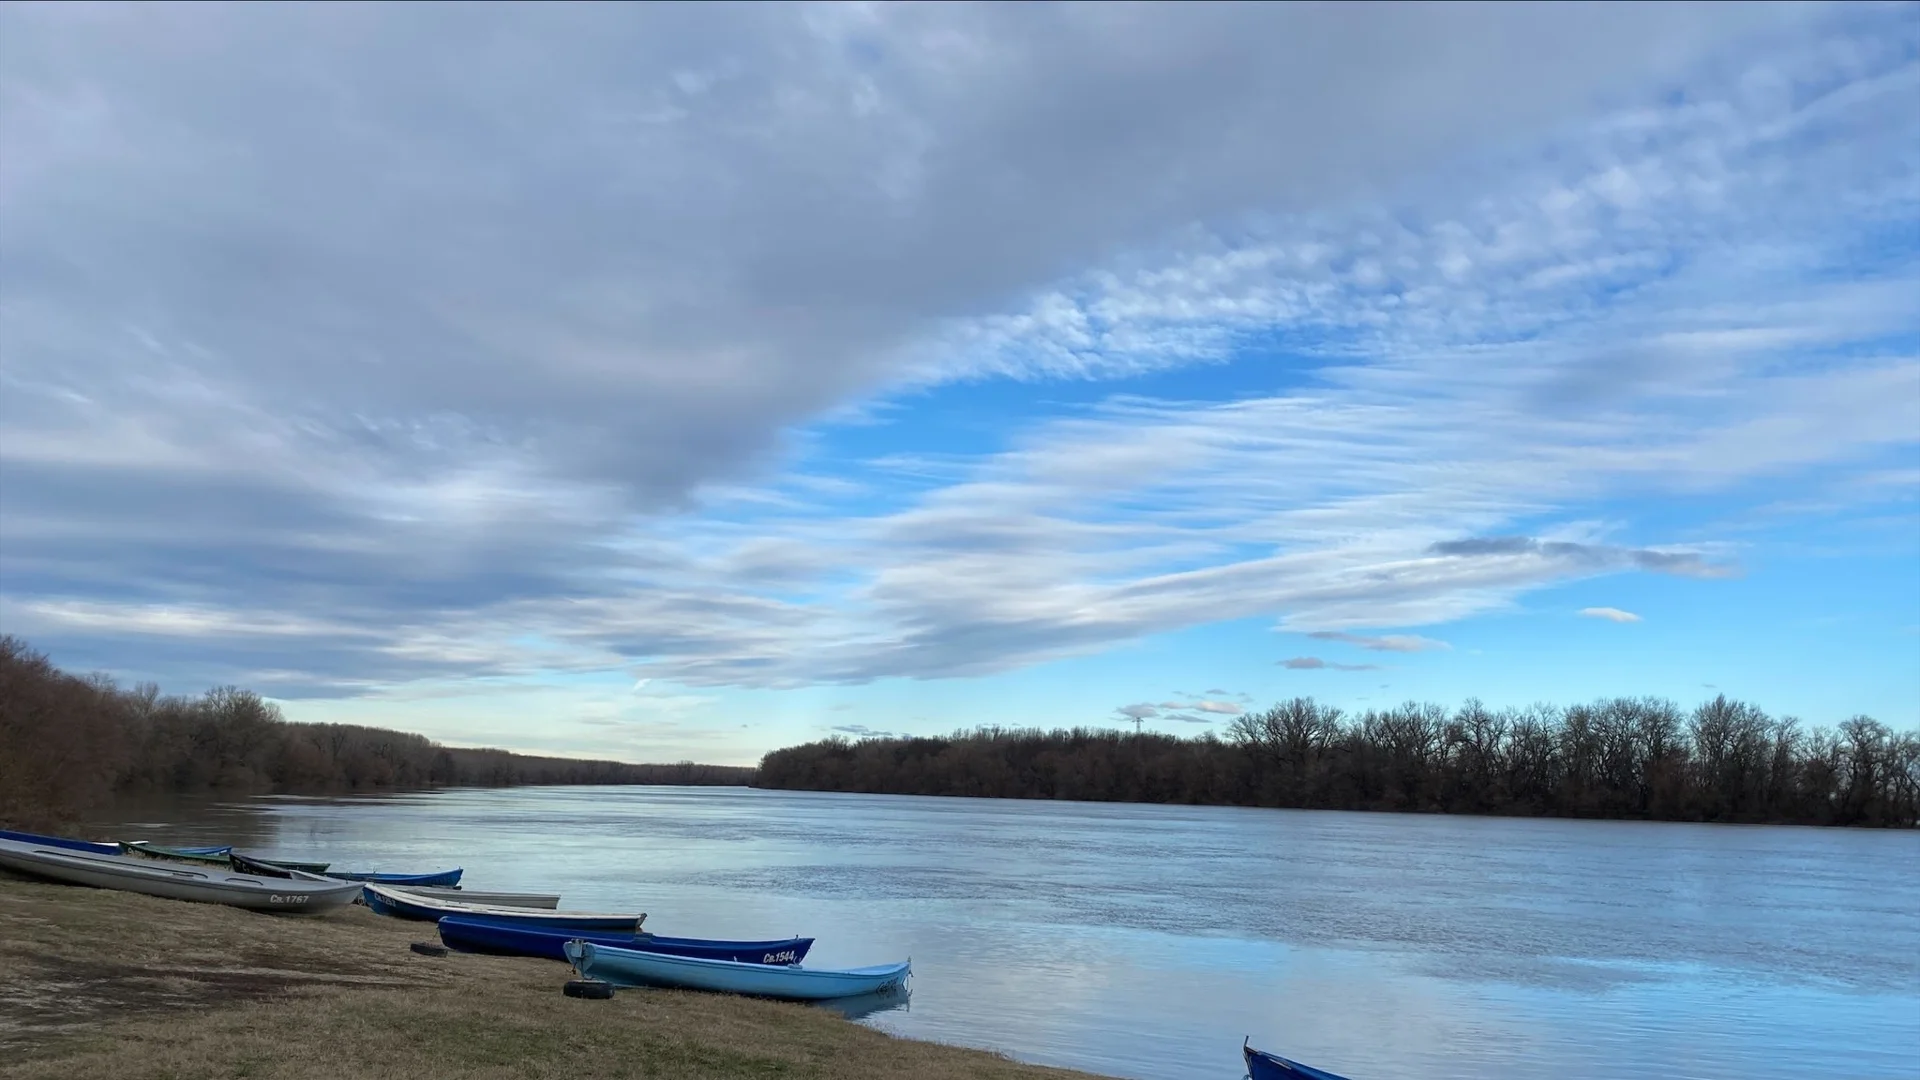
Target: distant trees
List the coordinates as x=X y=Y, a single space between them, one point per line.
x=69 y=743
x=1616 y=758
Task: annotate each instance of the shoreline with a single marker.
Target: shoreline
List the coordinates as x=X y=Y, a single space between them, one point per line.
x=96 y=982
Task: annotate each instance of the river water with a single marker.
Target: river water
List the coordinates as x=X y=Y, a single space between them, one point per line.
x=1147 y=941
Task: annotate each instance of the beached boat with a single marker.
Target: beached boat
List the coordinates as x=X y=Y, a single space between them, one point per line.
x=633 y=967
x=469 y=933
x=485 y=898
x=93 y=846
x=1264 y=1066
x=254 y=864
x=298 y=894
x=203 y=856
x=438 y=878
x=411 y=905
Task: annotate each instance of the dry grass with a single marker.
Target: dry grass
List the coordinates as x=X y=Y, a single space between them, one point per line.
x=108 y=984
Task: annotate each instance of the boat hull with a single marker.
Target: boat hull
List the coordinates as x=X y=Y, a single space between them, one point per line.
x=487 y=935
x=1264 y=1066
x=406 y=905
x=439 y=878
x=297 y=895
x=252 y=864
x=60 y=842
x=220 y=857
x=546 y=901
x=633 y=967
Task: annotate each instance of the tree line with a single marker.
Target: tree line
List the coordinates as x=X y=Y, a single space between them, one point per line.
x=1642 y=758
x=70 y=743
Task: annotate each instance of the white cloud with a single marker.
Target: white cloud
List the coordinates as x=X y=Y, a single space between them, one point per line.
x=1314 y=663
x=1611 y=614
x=1382 y=643
x=452 y=461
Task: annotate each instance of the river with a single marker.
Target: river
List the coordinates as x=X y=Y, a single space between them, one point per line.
x=1146 y=941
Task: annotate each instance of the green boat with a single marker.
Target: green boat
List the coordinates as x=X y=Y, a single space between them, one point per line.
x=209 y=856
x=223 y=857
x=247 y=864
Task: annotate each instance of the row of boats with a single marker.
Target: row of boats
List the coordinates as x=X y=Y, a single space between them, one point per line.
x=609 y=947
x=612 y=947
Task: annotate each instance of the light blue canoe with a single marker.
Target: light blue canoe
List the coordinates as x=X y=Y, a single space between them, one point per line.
x=633 y=967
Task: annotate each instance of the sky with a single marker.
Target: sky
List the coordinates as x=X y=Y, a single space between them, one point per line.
x=662 y=382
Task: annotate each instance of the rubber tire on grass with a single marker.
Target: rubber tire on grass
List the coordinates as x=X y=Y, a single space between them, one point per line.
x=428 y=948
x=593 y=989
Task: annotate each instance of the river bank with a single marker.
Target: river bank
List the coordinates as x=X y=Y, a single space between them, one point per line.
x=108 y=984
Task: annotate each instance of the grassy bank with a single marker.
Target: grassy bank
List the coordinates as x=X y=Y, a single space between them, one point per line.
x=106 y=984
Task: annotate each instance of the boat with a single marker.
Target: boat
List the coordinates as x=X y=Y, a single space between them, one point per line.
x=548 y=901
x=470 y=933
x=93 y=846
x=221 y=856
x=296 y=895
x=634 y=967
x=438 y=878
x=410 y=905
x=1264 y=1066
x=253 y=864
x=854 y=1008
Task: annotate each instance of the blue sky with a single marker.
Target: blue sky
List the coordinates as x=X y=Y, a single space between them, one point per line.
x=687 y=381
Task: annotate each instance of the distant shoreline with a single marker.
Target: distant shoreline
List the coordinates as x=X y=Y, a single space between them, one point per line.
x=70 y=745
x=1623 y=759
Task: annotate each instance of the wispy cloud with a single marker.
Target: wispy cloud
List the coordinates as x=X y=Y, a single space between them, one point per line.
x=1611 y=614
x=1683 y=563
x=862 y=731
x=1314 y=663
x=1382 y=643
x=1187 y=710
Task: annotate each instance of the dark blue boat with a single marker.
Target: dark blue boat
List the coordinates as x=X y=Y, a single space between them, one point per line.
x=1264 y=1066
x=60 y=842
x=478 y=933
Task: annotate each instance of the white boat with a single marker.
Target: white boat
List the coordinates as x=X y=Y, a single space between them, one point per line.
x=406 y=904
x=475 y=896
x=300 y=894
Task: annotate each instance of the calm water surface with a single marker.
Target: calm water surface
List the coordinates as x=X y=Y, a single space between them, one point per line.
x=1146 y=941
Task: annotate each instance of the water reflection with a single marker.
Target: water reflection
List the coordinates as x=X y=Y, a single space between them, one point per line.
x=1147 y=941
x=865 y=1005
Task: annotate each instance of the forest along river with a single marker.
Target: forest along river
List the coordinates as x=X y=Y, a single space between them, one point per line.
x=1146 y=941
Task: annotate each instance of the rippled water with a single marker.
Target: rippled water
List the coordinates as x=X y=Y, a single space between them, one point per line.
x=1146 y=941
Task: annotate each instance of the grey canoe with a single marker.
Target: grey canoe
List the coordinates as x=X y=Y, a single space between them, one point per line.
x=300 y=894
x=489 y=899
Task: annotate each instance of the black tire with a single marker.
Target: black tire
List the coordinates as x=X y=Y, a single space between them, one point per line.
x=593 y=989
x=428 y=948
